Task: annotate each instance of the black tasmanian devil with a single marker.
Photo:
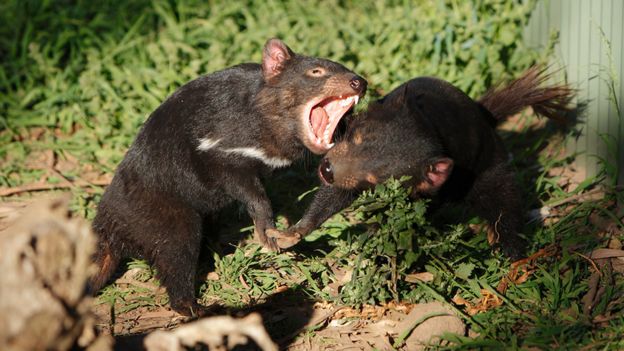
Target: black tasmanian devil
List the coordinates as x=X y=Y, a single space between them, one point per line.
x=430 y=130
x=206 y=146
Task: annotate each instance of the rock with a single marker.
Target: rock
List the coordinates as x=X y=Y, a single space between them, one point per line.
x=430 y=325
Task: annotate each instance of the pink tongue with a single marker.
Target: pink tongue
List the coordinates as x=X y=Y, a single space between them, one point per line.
x=319 y=120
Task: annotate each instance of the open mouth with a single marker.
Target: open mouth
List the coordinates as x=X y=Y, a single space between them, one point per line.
x=323 y=119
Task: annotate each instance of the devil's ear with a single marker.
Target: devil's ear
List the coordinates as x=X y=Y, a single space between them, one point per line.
x=400 y=96
x=436 y=173
x=405 y=96
x=274 y=55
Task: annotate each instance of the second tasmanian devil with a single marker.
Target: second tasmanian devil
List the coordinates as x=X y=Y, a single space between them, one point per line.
x=430 y=130
x=206 y=146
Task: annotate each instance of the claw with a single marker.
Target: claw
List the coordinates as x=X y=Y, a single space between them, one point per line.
x=264 y=240
x=283 y=239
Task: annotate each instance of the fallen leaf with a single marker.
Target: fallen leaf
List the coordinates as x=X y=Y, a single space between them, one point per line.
x=606 y=253
x=419 y=277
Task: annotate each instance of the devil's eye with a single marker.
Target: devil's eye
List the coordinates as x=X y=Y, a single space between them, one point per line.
x=316 y=72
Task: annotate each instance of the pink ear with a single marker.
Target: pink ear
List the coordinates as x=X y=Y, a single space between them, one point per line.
x=438 y=172
x=273 y=57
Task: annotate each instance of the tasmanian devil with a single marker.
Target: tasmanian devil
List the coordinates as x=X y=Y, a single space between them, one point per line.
x=430 y=130
x=208 y=145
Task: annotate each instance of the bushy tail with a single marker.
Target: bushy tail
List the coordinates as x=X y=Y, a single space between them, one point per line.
x=106 y=261
x=551 y=101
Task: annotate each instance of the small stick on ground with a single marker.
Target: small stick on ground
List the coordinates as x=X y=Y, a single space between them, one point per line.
x=579 y=197
x=140 y=284
x=590 y=261
x=48 y=186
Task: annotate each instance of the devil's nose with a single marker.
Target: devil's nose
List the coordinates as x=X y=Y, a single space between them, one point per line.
x=358 y=84
x=326 y=171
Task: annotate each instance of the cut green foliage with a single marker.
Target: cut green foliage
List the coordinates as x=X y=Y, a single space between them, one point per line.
x=248 y=275
x=397 y=236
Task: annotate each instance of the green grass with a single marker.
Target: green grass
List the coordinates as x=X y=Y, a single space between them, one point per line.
x=76 y=83
x=90 y=74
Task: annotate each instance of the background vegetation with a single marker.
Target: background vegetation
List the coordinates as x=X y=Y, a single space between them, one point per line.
x=77 y=80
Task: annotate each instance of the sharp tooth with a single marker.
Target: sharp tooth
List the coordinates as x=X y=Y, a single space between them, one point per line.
x=330 y=145
x=357 y=98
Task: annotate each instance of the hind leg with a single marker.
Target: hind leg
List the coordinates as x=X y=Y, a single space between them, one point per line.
x=175 y=254
x=496 y=198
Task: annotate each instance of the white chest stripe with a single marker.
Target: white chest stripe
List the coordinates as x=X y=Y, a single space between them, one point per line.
x=251 y=152
x=207 y=144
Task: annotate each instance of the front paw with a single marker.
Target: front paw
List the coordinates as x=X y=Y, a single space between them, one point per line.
x=264 y=240
x=189 y=308
x=514 y=248
x=284 y=239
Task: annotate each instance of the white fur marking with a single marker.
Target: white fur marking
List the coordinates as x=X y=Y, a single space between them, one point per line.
x=207 y=144
x=259 y=154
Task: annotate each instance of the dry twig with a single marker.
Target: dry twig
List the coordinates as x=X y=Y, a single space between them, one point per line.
x=48 y=186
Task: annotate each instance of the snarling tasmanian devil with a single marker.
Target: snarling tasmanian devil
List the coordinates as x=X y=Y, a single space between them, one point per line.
x=430 y=130
x=206 y=146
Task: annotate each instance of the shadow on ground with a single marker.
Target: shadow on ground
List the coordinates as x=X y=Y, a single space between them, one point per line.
x=285 y=315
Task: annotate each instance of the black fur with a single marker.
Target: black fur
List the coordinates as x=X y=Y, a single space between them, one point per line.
x=433 y=132
x=208 y=145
